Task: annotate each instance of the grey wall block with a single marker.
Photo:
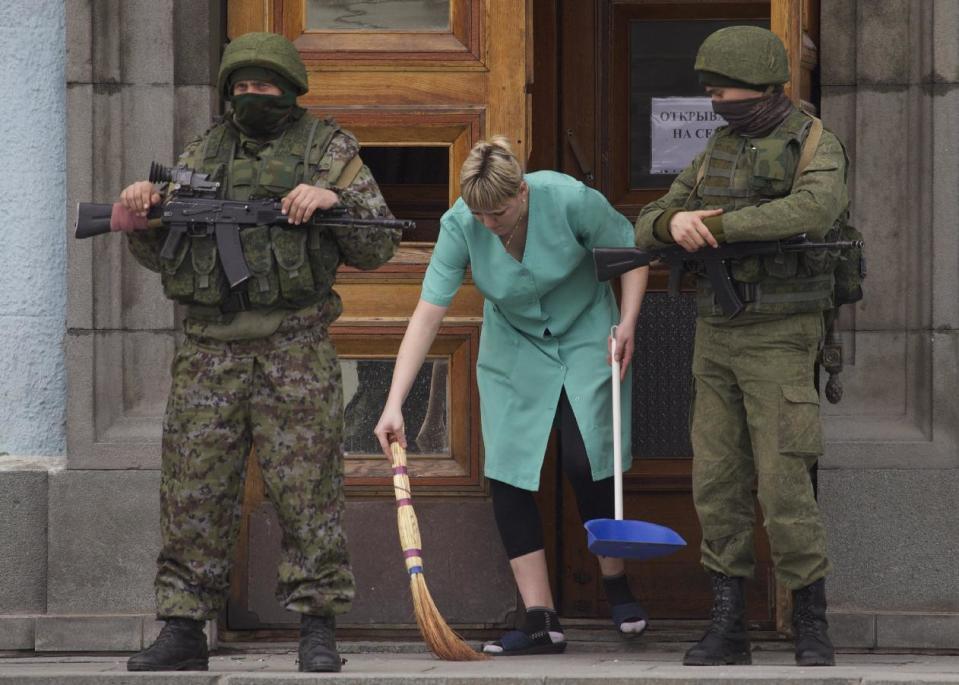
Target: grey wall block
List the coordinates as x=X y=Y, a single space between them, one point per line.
x=924 y=435
x=104 y=539
x=838 y=112
x=79 y=19
x=945 y=44
x=912 y=631
x=943 y=180
x=23 y=539
x=89 y=634
x=118 y=390
x=106 y=21
x=888 y=35
x=17 y=632
x=837 y=49
x=79 y=188
x=195 y=108
x=868 y=393
x=891 y=547
x=196 y=56
x=852 y=631
x=885 y=217
x=146 y=41
x=148 y=119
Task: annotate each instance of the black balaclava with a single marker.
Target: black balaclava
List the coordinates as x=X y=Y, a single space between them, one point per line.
x=263 y=116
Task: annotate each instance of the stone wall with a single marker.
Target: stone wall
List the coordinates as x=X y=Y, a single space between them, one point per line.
x=889 y=481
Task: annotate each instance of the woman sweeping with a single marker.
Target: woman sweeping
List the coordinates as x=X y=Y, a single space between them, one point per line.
x=542 y=360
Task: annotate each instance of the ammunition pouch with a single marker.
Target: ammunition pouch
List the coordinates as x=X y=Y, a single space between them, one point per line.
x=291 y=267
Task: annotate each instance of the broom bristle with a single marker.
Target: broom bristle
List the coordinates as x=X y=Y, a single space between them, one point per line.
x=439 y=637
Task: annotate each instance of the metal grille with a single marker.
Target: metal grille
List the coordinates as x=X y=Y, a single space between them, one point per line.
x=662 y=366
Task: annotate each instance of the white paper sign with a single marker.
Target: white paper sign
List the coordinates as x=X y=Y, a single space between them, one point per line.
x=680 y=129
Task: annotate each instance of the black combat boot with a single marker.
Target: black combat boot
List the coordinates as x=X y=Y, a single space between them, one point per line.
x=726 y=640
x=318 y=644
x=813 y=646
x=180 y=646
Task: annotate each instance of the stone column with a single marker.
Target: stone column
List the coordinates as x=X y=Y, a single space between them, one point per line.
x=33 y=304
x=32 y=207
x=139 y=84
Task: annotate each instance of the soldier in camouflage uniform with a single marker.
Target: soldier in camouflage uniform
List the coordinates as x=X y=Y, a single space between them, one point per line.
x=257 y=368
x=755 y=412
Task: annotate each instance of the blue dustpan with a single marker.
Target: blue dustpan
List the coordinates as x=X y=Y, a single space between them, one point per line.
x=616 y=537
x=631 y=539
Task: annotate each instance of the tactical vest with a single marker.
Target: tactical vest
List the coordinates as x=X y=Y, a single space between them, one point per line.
x=291 y=267
x=744 y=172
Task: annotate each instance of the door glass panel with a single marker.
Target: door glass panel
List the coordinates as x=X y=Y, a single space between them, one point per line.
x=661 y=381
x=661 y=58
x=378 y=15
x=414 y=181
x=366 y=383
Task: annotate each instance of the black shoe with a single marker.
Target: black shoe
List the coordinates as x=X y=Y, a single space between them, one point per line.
x=180 y=646
x=813 y=646
x=726 y=640
x=318 y=644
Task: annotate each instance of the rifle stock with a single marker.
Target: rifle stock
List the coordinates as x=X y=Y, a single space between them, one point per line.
x=614 y=261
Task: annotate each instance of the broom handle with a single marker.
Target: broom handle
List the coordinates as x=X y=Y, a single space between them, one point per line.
x=617 y=434
x=405 y=517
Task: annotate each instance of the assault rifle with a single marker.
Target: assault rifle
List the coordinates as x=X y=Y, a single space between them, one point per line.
x=192 y=210
x=613 y=261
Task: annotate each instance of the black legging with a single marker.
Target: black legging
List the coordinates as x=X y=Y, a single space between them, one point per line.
x=517 y=516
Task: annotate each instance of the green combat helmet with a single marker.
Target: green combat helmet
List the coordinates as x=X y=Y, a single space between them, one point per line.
x=748 y=54
x=267 y=50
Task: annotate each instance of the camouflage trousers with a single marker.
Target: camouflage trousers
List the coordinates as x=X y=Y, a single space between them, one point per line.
x=281 y=395
x=755 y=419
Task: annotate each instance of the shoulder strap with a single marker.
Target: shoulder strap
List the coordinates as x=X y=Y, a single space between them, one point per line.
x=809 y=146
x=349 y=173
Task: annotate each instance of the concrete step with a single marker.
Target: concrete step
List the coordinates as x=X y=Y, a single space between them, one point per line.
x=581 y=664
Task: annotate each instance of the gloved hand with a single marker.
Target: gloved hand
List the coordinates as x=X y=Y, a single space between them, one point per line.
x=125 y=221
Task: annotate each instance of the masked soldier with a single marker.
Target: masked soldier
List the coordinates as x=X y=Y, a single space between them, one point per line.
x=755 y=412
x=257 y=368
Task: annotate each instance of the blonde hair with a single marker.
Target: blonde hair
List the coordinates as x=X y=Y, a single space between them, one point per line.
x=491 y=175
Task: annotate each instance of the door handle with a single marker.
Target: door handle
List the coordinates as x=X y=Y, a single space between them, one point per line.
x=578 y=156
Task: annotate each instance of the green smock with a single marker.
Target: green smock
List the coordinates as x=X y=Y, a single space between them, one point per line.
x=545 y=324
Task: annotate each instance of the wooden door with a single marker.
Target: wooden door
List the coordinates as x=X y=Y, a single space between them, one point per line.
x=614 y=57
x=418 y=83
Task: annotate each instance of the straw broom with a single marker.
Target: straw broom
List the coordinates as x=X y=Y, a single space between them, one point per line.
x=439 y=637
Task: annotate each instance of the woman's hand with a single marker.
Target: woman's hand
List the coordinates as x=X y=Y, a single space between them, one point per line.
x=390 y=428
x=300 y=203
x=624 y=348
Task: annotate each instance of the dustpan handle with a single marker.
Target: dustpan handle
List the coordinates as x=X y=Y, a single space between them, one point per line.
x=617 y=432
